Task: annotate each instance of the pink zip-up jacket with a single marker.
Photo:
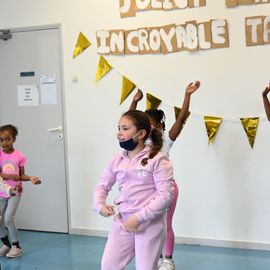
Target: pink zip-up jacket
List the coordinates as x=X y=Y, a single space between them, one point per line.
x=145 y=191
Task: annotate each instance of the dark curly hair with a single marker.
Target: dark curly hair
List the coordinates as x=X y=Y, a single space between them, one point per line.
x=158 y=116
x=10 y=128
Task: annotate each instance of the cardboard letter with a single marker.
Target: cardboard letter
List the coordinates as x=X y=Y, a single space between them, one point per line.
x=254 y=31
x=103 y=41
x=181 y=37
x=266 y=30
x=143 y=37
x=192 y=36
x=179 y=4
x=154 y=40
x=220 y=35
x=143 y=4
x=204 y=34
x=117 y=42
x=132 y=42
x=168 y=39
x=127 y=8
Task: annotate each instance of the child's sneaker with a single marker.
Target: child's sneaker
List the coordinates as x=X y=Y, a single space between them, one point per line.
x=14 y=252
x=4 y=250
x=160 y=261
x=167 y=264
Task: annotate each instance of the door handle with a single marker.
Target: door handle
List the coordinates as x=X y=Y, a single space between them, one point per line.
x=56 y=129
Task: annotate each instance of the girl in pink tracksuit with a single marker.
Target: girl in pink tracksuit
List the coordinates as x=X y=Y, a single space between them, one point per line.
x=144 y=176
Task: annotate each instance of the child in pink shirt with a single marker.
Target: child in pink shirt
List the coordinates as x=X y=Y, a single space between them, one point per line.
x=12 y=164
x=144 y=176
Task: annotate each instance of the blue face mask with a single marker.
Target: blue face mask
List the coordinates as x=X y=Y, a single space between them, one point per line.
x=130 y=144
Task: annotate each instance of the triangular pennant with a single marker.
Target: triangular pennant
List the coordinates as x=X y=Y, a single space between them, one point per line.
x=103 y=68
x=81 y=45
x=127 y=87
x=250 y=125
x=212 y=124
x=177 y=112
x=152 y=102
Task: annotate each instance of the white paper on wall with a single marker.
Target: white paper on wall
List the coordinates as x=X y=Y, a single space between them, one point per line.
x=27 y=95
x=48 y=89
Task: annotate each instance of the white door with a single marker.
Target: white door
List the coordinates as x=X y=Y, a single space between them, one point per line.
x=24 y=58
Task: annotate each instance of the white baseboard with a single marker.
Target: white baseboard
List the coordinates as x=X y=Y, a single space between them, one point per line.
x=188 y=240
x=88 y=232
x=222 y=243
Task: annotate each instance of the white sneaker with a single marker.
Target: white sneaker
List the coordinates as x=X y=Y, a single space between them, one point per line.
x=160 y=261
x=14 y=252
x=4 y=250
x=168 y=264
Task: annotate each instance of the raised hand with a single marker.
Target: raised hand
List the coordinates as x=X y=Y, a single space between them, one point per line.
x=138 y=96
x=192 y=87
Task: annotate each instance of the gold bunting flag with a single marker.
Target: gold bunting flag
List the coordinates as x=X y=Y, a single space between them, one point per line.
x=81 y=45
x=212 y=124
x=250 y=125
x=103 y=68
x=177 y=112
x=152 y=102
x=127 y=87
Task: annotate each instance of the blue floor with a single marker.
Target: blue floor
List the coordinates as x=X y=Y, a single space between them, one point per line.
x=53 y=251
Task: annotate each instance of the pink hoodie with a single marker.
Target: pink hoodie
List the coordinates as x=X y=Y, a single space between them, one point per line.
x=146 y=191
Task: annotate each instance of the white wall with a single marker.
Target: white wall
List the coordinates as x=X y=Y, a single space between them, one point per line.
x=224 y=187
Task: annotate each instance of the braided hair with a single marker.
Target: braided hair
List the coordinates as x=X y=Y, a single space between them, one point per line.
x=158 y=116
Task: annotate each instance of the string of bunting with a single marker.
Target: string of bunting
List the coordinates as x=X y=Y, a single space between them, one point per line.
x=212 y=123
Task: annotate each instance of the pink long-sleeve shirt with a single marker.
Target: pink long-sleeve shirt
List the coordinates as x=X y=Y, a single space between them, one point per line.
x=145 y=191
